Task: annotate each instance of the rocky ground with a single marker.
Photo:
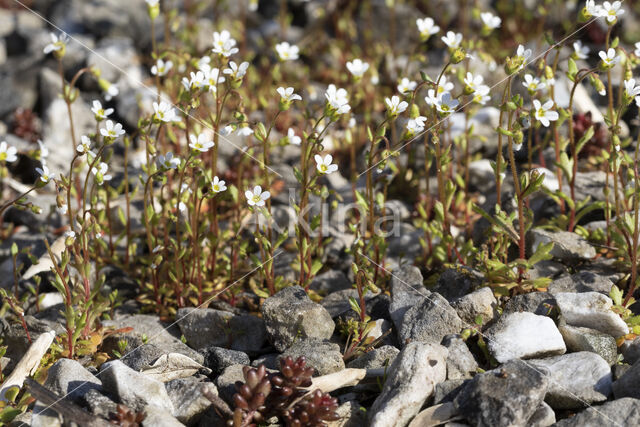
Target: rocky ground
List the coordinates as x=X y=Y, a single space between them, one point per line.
x=447 y=350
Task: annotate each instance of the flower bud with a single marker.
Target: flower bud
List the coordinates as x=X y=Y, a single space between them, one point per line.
x=457 y=55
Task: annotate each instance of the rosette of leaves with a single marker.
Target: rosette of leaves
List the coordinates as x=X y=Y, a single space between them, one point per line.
x=313 y=411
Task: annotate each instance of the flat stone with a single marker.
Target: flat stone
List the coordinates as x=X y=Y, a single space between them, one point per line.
x=325 y=357
x=188 y=400
x=567 y=246
x=479 y=304
x=227 y=380
x=455 y=283
x=627 y=384
x=377 y=358
x=69 y=378
x=584 y=281
x=540 y=303
x=591 y=310
x=631 y=350
x=576 y=379
x=290 y=315
x=460 y=362
x=410 y=382
x=337 y=303
x=218 y=359
x=619 y=412
x=585 y=339
x=429 y=321
x=329 y=282
x=524 y=335
x=157 y=416
x=407 y=290
x=505 y=396
x=447 y=391
x=543 y=417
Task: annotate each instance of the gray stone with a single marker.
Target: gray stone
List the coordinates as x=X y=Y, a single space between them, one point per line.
x=143 y=357
x=568 y=247
x=585 y=339
x=337 y=303
x=351 y=414
x=479 y=304
x=447 y=391
x=576 y=379
x=227 y=380
x=325 y=357
x=547 y=268
x=188 y=400
x=620 y=412
x=377 y=358
x=584 y=281
x=591 y=310
x=540 y=303
x=543 y=417
x=248 y=334
x=410 y=382
x=454 y=283
x=270 y=361
x=506 y=396
x=99 y=404
x=218 y=359
x=291 y=315
x=69 y=378
x=429 y=321
x=460 y=362
x=112 y=55
x=631 y=350
x=524 y=335
x=407 y=289
x=158 y=416
x=627 y=384
x=329 y=282
x=619 y=370
x=132 y=388
x=592 y=184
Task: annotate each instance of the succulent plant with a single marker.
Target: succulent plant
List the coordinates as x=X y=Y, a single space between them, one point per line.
x=127 y=417
x=313 y=411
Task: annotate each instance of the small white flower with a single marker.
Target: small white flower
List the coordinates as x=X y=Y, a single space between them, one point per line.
x=85 y=145
x=481 y=95
x=203 y=62
x=112 y=130
x=112 y=92
x=7 y=153
x=550 y=181
x=544 y=113
x=532 y=84
x=217 y=185
x=407 y=85
x=522 y=55
x=237 y=71
x=227 y=130
x=427 y=28
x=168 y=161
x=444 y=85
x=287 y=94
x=181 y=206
x=443 y=102
x=473 y=82
x=99 y=112
x=62 y=210
x=452 y=39
x=337 y=99
x=395 y=106
x=197 y=80
x=609 y=58
x=101 y=173
x=200 y=143
x=592 y=8
x=611 y=11
x=44 y=173
x=580 y=51
x=293 y=138
x=490 y=21
x=631 y=89
x=287 y=52
x=152 y=3
x=212 y=78
x=57 y=43
x=415 y=126
x=224 y=44
x=638 y=101
x=357 y=67
x=244 y=131
x=637 y=50
x=324 y=165
x=44 y=151
x=161 y=68
x=164 y=112
x=257 y=197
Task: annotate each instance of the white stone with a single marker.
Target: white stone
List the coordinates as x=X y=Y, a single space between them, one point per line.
x=591 y=310
x=524 y=336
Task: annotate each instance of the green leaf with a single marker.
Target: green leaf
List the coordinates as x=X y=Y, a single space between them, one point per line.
x=616 y=295
x=573 y=70
x=542 y=253
x=585 y=138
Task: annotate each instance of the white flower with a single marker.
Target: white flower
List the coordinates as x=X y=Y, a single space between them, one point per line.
x=7 y=153
x=212 y=78
x=407 y=85
x=161 y=68
x=638 y=101
x=224 y=44
x=522 y=55
x=292 y=137
x=609 y=58
x=287 y=94
x=532 y=84
x=244 y=131
x=44 y=173
x=100 y=112
x=444 y=103
x=101 y=173
x=57 y=43
x=395 y=106
x=324 y=165
x=227 y=130
x=257 y=197
x=592 y=8
x=152 y=3
x=236 y=71
x=490 y=20
x=415 y=126
x=181 y=206
x=287 y=52
x=544 y=113
x=444 y=85
x=481 y=95
x=163 y=112
x=203 y=62
x=112 y=130
x=200 y=143
x=44 y=151
x=426 y=27
x=85 y=145
x=631 y=89
x=550 y=181
x=112 y=92
x=473 y=82
x=579 y=51
x=452 y=39
x=253 y=5
x=337 y=99
x=70 y=235
x=168 y=161
x=610 y=11
x=637 y=50
x=357 y=67
x=197 y=81
x=62 y=210
x=217 y=185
